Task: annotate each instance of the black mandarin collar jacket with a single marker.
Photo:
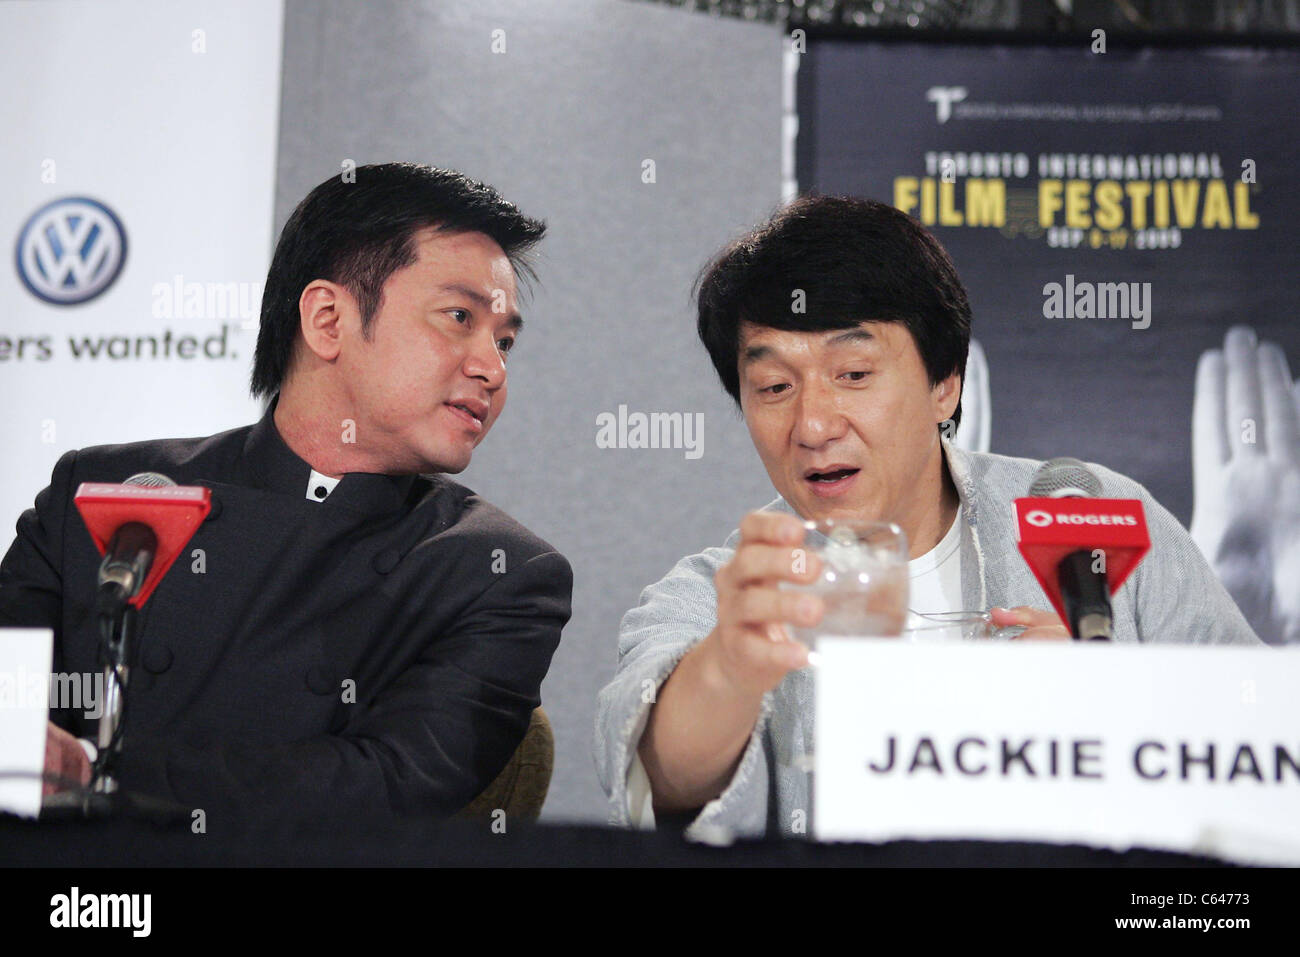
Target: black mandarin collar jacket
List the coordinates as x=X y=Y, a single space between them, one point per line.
x=374 y=655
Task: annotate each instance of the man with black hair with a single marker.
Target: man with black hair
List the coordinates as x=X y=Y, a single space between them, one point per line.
x=368 y=638
x=841 y=330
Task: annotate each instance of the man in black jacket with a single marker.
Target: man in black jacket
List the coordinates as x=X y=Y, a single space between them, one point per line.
x=350 y=633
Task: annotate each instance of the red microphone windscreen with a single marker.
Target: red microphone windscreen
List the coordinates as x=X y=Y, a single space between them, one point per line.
x=173 y=512
x=1048 y=529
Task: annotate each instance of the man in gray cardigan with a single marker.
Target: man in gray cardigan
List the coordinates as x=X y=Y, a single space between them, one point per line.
x=841 y=329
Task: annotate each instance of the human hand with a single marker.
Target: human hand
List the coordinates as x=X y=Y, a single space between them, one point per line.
x=1246 y=477
x=1039 y=625
x=64 y=758
x=750 y=644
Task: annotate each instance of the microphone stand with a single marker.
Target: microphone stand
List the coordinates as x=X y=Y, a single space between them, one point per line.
x=117 y=637
x=117 y=621
x=103 y=798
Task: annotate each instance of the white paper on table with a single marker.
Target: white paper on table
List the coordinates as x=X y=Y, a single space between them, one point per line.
x=26 y=655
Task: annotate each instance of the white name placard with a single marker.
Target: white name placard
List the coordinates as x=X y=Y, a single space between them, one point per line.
x=25 y=656
x=1174 y=747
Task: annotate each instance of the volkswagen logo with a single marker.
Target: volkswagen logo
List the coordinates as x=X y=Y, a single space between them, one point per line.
x=70 y=251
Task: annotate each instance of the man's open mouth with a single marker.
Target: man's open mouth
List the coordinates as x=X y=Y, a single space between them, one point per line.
x=830 y=475
x=467 y=410
x=475 y=411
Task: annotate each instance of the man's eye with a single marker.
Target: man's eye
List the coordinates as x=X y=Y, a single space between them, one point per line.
x=505 y=345
x=856 y=376
x=775 y=389
x=460 y=315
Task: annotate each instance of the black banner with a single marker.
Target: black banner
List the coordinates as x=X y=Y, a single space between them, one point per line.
x=1112 y=214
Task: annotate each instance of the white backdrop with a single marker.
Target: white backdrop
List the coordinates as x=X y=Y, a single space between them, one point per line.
x=165 y=114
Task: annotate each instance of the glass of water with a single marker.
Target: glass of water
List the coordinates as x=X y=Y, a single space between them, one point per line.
x=863 y=580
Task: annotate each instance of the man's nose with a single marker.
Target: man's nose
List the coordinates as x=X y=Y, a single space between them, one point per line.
x=818 y=419
x=484 y=361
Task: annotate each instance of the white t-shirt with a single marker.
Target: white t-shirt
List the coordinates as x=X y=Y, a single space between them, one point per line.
x=934 y=579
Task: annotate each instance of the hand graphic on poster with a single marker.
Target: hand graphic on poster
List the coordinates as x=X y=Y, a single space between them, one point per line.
x=976 y=409
x=1246 y=479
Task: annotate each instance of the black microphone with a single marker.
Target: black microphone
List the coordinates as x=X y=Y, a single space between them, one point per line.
x=1085 y=592
x=129 y=555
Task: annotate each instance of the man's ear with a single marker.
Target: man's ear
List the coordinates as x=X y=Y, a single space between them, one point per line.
x=946 y=395
x=320 y=317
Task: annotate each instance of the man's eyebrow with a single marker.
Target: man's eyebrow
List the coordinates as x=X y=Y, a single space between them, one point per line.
x=851 y=336
x=514 y=321
x=755 y=353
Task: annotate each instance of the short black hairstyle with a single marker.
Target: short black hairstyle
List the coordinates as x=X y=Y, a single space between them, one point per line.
x=357 y=231
x=854 y=260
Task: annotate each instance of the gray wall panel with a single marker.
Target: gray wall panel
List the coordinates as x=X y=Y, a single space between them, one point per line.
x=560 y=123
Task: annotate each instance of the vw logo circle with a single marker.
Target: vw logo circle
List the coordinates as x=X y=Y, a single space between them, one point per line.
x=1038 y=518
x=70 y=251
